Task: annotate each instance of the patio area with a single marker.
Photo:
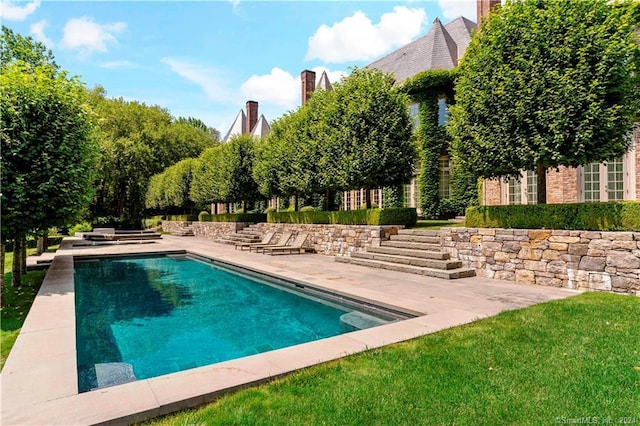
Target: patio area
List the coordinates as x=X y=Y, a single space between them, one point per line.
x=39 y=383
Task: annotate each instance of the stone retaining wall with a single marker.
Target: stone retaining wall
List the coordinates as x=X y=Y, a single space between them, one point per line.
x=607 y=261
x=329 y=240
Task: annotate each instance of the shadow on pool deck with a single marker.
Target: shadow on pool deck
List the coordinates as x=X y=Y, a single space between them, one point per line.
x=39 y=379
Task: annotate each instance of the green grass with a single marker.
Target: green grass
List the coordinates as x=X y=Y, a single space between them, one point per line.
x=17 y=303
x=436 y=224
x=549 y=363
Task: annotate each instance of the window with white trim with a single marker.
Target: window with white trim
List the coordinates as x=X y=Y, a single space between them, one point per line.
x=347 y=200
x=522 y=189
x=515 y=190
x=444 y=183
x=608 y=181
x=443 y=112
x=414 y=112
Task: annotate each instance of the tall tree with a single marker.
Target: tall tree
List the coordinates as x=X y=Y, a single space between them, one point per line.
x=199 y=124
x=138 y=142
x=367 y=133
x=238 y=154
x=548 y=83
x=48 y=145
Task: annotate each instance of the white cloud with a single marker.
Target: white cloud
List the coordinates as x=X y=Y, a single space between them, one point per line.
x=452 y=9
x=88 y=36
x=208 y=79
x=279 y=87
x=234 y=3
x=37 y=30
x=357 y=38
x=12 y=12
x=118 y=64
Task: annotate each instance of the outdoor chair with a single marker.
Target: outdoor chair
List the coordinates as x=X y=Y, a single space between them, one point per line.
x=281 y=242
x=266 y=240
x=295 y=247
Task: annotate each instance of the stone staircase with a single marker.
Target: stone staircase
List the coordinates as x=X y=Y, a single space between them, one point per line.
x=250 y=234
x=412 y=251
x=187 y=231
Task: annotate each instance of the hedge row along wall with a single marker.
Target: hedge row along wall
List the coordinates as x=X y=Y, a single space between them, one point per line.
x=390 y=216
x=612 y=216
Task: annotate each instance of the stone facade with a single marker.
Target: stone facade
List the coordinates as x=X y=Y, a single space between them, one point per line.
x=329 y=240
x=585 y=260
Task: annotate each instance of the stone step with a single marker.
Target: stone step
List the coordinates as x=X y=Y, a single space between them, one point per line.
x=432 y=253
x=416 y=238
x=408 y=260
x=437 y=273
x=410 y=245
x=419 y=232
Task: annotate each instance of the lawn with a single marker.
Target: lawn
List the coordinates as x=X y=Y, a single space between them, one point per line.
x=17 y=303
x=556 y=362
x=436 y=224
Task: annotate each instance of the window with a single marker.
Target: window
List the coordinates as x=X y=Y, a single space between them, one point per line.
x=410 y=194
x=532 y=187
x=444 y=184
x=515 y=190
x=414 y=110
x=604 y=181
x=615 y=179
x=377 y=195
x=358 y=199
x=443 y=112
x=592 y=182
x=347 y=200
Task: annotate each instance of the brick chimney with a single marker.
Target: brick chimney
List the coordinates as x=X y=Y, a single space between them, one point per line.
x=484 y=7
x=252 y=116
x=308 y=79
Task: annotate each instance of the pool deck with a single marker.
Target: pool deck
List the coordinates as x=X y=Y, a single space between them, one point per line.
x=39 y=384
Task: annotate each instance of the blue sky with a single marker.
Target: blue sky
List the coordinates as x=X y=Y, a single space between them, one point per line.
x=205 y=59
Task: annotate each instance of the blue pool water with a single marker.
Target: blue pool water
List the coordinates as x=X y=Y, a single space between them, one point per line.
x=141 y=317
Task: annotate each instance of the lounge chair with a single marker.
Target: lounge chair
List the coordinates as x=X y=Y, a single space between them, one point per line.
x=294 y=247
x=266 y=240
x=281 y=242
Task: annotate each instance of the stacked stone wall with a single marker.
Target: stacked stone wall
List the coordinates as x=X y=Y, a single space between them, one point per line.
x=326 y=239
x=607 y=261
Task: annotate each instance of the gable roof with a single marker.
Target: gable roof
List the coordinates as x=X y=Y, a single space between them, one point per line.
x=261 y=128
x=440 y=48
x=237 y=128
x=324 y=82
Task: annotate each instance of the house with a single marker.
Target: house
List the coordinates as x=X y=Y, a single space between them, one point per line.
x=441 y=48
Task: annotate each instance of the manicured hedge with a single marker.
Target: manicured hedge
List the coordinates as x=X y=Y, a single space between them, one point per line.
x=182 y=218
x=233 y=217
x=399 y=216
x=612 y=216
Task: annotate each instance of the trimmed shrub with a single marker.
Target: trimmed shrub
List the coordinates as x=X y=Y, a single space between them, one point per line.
x=152 y=222
x=80 y=227
x=611 y=216
x=307 y=209
x=399 y=216
x=182 y=218
x=236 y=217
x=204 y=217
x=269 y=209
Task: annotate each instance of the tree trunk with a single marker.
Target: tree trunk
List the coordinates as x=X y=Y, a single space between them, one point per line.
x=2 y=249
x=23 y=256
x=45 y=241
x=39 y=246
x=329 y=200
x=16 y=270
x=367 y=197
x=295 y=203
x=244 y=206
x=541 y=183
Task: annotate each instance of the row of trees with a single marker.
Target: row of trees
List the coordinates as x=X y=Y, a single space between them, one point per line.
x=358 y=135
x=71 y=154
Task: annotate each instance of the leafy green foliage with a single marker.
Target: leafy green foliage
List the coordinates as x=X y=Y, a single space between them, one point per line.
x=399 y=216
x=171 y=188
x=14 y=47
x=611 y=216
x=233 y=217
x=80 y=227
x=138 y=142
x=48 y=148
x=548 y=83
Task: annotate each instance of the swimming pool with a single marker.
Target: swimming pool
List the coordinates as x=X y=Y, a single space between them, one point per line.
x=146 y=316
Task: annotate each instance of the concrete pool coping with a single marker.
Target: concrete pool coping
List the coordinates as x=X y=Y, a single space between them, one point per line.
x=39 y=379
